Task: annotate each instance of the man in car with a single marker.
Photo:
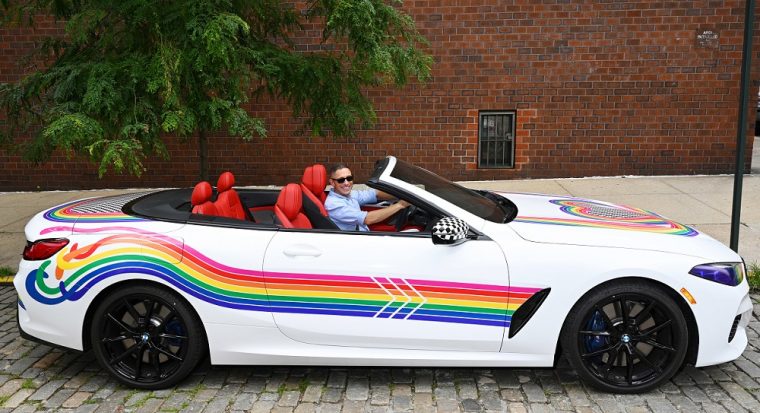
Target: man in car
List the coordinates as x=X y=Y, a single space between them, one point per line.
x=343 y=204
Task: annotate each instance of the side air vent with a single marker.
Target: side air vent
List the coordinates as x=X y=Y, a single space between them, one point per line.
x=526 y=311
x=734 y=326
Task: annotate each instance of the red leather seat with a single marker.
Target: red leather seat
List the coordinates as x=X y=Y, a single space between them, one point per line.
x=201 y=199
x=228 y=201
x=289 y=208
x=313 y=185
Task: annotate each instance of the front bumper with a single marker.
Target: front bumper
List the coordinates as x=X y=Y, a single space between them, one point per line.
x=723 y=332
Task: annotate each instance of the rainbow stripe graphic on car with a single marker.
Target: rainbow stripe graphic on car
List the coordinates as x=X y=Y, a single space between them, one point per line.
x=602 y=215
x=97 y=210
x=77 y=269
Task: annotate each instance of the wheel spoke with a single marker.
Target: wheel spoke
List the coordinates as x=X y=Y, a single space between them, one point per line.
x=120 y=324
x=645 y=359
x=655 y=329
x=139 y=363
x=624 y=310
x=629 y=366
x=611 y=362
x=114 y=339
x=172 y=336
x=155 y=363
x=168 y=354
x=643 y=314
x=594 y=333
x=124 y=355
x=661 y=346
x=149 y=304
x=132 y=312
x=602 y=351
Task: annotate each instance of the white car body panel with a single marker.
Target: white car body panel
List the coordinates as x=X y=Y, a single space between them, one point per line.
x=235 y=253
x=386 y=269
x=273 y=348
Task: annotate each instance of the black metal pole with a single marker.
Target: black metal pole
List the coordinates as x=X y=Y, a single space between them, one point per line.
x=741 y=136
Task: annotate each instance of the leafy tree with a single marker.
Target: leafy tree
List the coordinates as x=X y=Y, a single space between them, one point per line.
x=128 y=72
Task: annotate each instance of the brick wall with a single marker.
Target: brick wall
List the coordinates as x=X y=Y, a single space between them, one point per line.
x=600 y=88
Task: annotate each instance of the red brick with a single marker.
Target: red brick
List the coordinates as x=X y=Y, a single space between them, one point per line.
x=605 y=88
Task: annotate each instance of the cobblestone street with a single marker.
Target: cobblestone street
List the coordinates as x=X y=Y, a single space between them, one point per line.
x=36 y=377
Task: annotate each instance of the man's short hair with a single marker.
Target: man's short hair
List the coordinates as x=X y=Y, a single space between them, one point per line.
x=335 y=168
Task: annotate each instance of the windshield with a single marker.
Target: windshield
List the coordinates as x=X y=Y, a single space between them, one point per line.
x=471 y=201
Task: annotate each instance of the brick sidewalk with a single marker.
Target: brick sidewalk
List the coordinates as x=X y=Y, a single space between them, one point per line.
x=34 y=377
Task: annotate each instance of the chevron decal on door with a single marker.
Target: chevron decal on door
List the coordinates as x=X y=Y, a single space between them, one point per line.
x=395 y=308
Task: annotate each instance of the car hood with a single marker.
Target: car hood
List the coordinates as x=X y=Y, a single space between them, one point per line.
x=567 y=220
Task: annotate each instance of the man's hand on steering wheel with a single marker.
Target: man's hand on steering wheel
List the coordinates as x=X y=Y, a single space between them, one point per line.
x=403 y=216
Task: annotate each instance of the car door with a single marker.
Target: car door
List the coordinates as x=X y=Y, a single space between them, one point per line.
x=222 y=267
x=378 y=290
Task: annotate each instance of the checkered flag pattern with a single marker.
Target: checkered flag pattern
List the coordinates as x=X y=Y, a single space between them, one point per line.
x=450 y=229
x=107 y=205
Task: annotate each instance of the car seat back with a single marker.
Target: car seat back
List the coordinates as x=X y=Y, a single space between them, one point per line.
x=312 y=211
x=201 y=199
x=289 y=208
x=313 y=185
x=228 y=201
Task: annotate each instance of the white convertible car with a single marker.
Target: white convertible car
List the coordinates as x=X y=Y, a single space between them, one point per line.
x=153 y=282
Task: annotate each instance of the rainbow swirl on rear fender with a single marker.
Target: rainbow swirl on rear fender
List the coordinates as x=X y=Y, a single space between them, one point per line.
x=601 y=215
x=77 y=269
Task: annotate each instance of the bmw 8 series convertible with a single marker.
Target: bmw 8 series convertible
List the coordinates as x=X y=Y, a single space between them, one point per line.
x=154 y=282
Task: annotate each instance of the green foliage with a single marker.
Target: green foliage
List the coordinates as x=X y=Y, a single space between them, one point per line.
x=129 y=72
x=303 y=384
x=6 y=271
x=753 y=276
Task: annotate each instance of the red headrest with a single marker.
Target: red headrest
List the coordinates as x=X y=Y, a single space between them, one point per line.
x=290 y=200
x=201 y=193
x=226 y=181
x=315 y=178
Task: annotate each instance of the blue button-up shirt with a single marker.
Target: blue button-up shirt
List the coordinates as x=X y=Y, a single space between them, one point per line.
x=345 y=211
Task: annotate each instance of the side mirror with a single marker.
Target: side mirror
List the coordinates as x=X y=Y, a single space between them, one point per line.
x=450 y=231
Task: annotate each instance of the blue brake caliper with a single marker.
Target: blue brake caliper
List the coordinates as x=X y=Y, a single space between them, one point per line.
x=175 y=327
x=596 y=323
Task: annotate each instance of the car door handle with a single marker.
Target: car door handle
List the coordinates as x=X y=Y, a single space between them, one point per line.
x=302 y=251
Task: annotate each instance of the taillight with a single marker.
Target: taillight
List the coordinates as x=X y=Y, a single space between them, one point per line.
x=44 y=248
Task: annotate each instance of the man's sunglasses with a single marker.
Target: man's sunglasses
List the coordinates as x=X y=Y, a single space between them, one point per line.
x=349 y=178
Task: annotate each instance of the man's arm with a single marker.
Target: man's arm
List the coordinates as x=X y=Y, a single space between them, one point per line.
x=380 y=215
x=384 y=195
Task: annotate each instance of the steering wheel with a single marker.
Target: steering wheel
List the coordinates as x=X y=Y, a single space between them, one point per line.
x=403 y=216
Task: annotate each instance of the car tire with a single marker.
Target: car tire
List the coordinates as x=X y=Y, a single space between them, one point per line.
x=628 y=351
x=146 y=337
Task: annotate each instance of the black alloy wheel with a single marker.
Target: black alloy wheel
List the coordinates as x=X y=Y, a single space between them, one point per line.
x=146 y=337
x=626 y=338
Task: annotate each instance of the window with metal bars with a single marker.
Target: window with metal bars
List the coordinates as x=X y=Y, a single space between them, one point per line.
x=496 y=140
